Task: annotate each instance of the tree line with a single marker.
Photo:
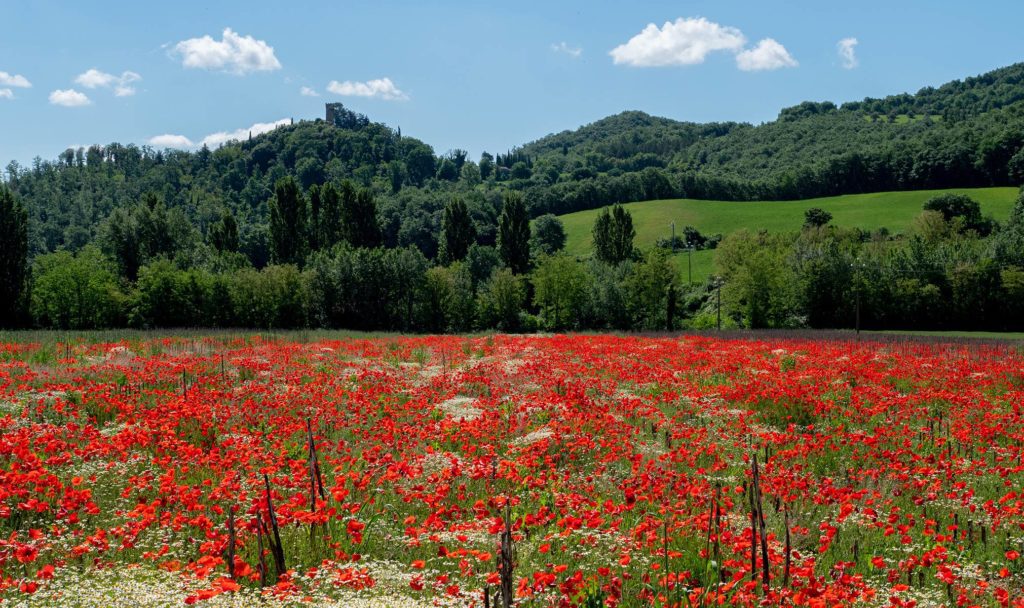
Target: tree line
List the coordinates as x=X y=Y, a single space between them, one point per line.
x=328 y=268
x=955 y=270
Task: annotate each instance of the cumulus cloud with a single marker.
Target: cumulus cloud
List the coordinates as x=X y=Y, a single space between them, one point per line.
x=847 y=48
x=168 y=140
x=232 y=53
x=69 y=98
x=679 y=42
x=95 y=79
x=767 y=55
x=563 y=47
x=381 y=88
x=214 y=140
x=308 y=92
x=14 y=80
x=688 y=41
x=6 y=94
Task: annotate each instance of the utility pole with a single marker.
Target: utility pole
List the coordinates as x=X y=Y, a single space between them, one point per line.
x=689 y=265
x=858 y=310
x=857 y=266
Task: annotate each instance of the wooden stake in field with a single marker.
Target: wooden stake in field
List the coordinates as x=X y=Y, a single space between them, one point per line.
x=231 y=541
x=757 y=523
x=262 y=562
x=717 y=547
x=316 y=482
x=505 y=560
x=711 y=548
x=275 y=543
x=753 y=534
x=664 y=548
x=789 y=548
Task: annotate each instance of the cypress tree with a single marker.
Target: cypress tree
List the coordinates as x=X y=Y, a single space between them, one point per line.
x=359 y=216
x=514 y=233
x=224 y=233
x=613 y=234
x=13 y=257
x=602 y=236
x=457 y=232
x=287 y=223
x=330 y=217
x=315 y=227
x=623 y=233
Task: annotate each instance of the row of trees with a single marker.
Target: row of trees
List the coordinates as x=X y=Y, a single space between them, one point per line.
x=944 y=276
x=956 y=269
x=329 y=270
x=360 y=288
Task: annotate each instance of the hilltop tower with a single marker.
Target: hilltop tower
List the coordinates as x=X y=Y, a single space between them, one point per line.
x=338 y=115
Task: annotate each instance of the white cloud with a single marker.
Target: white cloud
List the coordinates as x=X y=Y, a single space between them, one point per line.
x=679 y=42
x=94 y=79
x=767 y=55
x=14 y=80
x=214 y=140
x=308 y=92
x=381 y=88
x=563 y=47
x=232 y=53
x=167 y=140
x=69 y=98
x=6 y=94
x=847 y=48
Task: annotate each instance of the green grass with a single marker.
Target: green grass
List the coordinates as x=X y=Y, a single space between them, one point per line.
x=701 y=266
x=652 y=219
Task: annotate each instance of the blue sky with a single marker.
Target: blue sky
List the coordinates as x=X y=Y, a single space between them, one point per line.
x=474 y=75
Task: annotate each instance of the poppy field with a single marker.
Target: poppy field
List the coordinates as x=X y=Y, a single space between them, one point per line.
x=531 y=471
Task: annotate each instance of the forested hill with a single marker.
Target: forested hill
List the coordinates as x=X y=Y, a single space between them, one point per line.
x=964 y=133
x=70 y=199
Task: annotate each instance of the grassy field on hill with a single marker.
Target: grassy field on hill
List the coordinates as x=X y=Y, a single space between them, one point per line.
x=653 y=219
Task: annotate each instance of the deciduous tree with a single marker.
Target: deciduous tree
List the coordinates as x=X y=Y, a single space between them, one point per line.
x=561 y=287
x=548 y=234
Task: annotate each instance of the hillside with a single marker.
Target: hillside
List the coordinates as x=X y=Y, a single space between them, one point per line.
x=966 y=133
x=652 y=219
